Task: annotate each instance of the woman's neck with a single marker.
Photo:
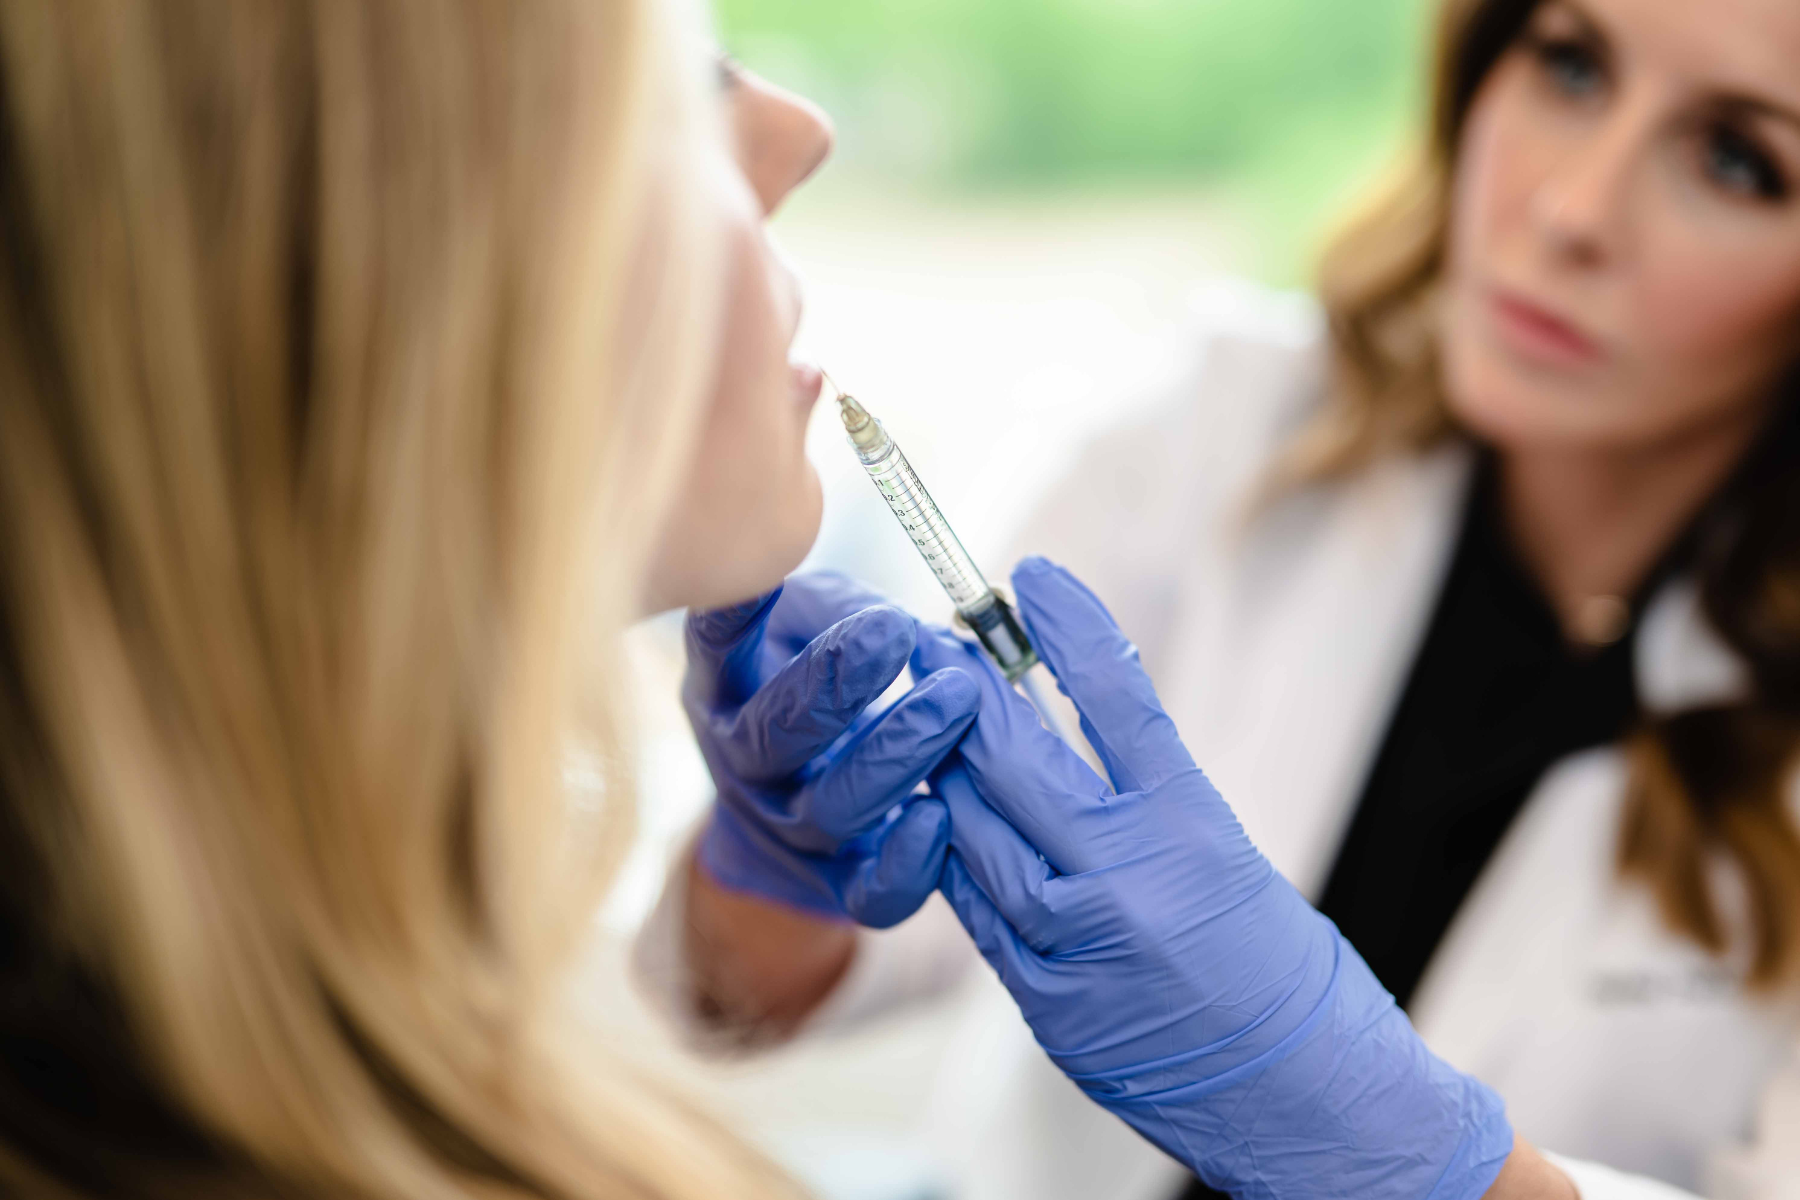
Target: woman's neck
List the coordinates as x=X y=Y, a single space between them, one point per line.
x=1592 y=523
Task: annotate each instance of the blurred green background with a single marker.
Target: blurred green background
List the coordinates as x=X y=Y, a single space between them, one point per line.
x=1274 y=110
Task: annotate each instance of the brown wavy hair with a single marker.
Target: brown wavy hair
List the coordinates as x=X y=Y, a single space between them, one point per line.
x=1703 y=781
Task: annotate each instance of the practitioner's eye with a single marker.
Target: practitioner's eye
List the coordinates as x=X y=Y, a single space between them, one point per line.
x=1571 y=67
x=1738 y=164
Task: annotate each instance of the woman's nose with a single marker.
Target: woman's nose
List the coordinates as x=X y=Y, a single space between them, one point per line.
x=782 y=138
x=1579 y=208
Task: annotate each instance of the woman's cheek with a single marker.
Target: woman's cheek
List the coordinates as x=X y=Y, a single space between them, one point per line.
x=1719 y=321
x=769 y=503
x=773 y=420
x=809 y=511
x=1509 y=150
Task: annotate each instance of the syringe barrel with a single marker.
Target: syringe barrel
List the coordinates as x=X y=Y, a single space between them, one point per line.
x=988 y=616
x=905 y=494
x=999 y=630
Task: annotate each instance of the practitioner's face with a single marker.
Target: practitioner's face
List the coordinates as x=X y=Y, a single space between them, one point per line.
x=750 y=515
x=1625 y=244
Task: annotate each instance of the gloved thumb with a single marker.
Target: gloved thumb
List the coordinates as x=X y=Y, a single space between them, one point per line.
x=723 y=646
x=891 y=885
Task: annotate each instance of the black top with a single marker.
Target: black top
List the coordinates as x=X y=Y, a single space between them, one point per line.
x=1496 y=696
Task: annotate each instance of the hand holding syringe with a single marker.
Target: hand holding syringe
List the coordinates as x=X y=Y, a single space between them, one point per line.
x=806 y=817
x=984 y=611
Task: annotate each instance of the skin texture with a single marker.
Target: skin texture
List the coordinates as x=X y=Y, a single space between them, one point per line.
x=1528 y=1175
x=1623 y=291
x=750 y=516
x=757 y=965
x=1627 y=171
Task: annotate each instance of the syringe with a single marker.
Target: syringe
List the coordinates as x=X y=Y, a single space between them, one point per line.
x=985 y=612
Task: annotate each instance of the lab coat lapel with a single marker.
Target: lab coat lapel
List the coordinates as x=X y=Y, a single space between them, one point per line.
x=1562 y=987
x=1304 y=622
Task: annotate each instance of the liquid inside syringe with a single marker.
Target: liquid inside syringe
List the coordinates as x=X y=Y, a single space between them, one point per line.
x=986 y=613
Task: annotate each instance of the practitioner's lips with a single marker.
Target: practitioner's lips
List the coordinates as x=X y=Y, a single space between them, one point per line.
x=1539 y=333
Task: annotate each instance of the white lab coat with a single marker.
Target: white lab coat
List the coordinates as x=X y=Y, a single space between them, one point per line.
x=1279 y=637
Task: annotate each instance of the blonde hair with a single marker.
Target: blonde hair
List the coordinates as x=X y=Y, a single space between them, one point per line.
x=1704 y=781
x=331 y=448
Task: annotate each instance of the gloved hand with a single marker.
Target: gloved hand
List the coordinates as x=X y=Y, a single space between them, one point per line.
x=1160 y=959
x=815 y=807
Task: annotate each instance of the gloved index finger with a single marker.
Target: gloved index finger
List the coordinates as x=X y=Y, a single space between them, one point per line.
x=723 y=646
x=813 y=602
x=880 y=769
x=1028 y=774
x=1099 y=669
x=812 y=699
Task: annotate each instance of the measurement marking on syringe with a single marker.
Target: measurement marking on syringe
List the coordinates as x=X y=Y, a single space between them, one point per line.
x=989 y=616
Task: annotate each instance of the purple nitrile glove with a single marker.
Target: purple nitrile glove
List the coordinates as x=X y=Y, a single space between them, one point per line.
x=1164 y=964
x=815 y=804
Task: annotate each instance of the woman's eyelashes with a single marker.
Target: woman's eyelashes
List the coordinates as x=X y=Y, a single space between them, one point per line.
x=1735 y=162
x=1571 y=66
x=1732 y=158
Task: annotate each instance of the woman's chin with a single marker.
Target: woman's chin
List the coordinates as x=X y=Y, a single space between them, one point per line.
x=781 y=560
x=744 y=566
x=800 y=532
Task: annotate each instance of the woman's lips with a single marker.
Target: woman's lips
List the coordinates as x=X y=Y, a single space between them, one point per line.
x=808 y=381
x=1537 y=333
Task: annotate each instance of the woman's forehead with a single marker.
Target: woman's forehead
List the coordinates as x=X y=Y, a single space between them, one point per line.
x=1736 y=47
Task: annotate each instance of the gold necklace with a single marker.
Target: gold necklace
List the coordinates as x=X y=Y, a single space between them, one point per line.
x=1601 y=620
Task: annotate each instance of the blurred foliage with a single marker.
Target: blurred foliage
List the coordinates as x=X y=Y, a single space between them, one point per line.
x=1270 y=93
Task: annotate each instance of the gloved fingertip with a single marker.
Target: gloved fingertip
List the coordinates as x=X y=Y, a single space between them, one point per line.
x=882 y=629
x=931 y=818
x=952 y=693
x=1038 y=572
x=925 y=633
x=939 y=649
x=890 y=887
x=1038 y=579
x=714 y=628
x=854 y=661
x=816 y=600
x=1067 y=622
x=929 y=650
x=838 y=588
x=955 y=882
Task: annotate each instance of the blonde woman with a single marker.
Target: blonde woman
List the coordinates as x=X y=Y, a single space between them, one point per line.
x=1476 y=599
x=356 y=358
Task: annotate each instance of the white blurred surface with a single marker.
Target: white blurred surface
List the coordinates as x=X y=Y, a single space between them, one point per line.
x=990 y=340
